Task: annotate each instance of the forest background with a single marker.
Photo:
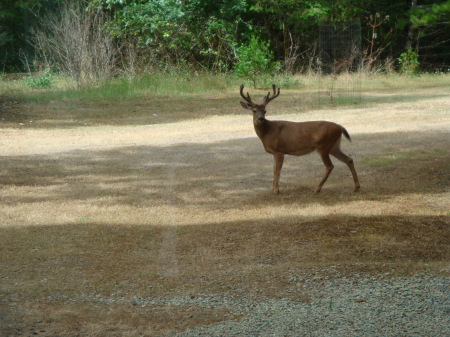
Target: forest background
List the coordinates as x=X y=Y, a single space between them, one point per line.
x=91 y=40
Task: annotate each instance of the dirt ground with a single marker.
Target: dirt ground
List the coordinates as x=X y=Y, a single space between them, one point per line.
x=180 y=209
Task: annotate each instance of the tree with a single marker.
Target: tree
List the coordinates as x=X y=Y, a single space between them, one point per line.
x=17 y=18
x=195 y=33
x=430 y=20
x=75 y=42
x=204 y=34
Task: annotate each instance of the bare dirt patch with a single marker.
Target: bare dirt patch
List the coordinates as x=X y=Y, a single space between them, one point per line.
x=98 y=221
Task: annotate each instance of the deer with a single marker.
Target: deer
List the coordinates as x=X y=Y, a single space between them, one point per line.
x=281 y=138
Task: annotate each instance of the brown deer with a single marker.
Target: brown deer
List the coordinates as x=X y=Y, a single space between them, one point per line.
x=297 y=138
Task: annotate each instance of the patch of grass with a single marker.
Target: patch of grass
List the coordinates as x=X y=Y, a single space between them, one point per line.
x=159 y=84
x=124 y=88
x=391 y=157
x=40 y=81
x=83 y=219
x=187 y=83
x=162 y=97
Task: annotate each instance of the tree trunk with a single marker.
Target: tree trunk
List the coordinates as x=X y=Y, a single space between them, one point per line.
x=412 y=31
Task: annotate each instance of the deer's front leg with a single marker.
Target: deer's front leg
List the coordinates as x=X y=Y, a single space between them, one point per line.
x=279 y=158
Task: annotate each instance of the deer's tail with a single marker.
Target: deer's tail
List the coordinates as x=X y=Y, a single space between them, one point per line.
x=346 y=134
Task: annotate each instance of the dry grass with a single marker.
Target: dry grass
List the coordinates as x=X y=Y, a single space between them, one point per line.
x=93 y=218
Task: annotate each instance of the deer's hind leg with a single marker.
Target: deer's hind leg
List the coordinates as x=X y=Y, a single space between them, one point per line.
x=336 y=152
x=328 y=168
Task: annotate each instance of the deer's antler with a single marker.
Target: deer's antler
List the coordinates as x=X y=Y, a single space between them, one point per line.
x=275 y=94
x=247 y=98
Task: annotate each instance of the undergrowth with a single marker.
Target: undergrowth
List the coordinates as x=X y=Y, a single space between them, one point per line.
x=125 y=88
x=55 y=87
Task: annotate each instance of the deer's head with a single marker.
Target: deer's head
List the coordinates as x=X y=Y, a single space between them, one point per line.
x=259 y=110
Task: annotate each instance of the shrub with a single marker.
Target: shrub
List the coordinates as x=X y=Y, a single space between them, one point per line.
x=409 y=62
x=254 y=60
x=40 y=82
x=75 y=43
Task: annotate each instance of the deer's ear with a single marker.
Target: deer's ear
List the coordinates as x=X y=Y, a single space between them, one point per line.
x=245 y=105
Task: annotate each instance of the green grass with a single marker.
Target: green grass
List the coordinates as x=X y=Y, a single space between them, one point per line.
x=165 y=97
x=392 y=156
x=123 y=88
x=119 y=89
x=184 y=83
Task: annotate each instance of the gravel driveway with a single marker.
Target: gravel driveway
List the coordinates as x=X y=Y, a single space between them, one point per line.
x=400 y=306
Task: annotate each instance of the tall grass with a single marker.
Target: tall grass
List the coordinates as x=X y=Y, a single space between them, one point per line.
x=159 y=83
x=185 y=83
x=121 y=88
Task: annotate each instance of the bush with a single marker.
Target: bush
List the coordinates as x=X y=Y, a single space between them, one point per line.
x=409 y=62
x=255 y=60
x=43 y=81
x=75 y=43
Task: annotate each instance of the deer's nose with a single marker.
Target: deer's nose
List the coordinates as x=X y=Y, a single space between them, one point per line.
x=261 y=118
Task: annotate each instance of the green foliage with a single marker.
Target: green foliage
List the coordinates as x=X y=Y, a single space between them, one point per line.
x=205 y=34
x=4 y=38
x=254 y=60
x=151 y=23
x=409 y=62
x=184 y=34
x=41 y=81
x=172 y=83
x=17 y=19
x=431 y=14
x=285 y=81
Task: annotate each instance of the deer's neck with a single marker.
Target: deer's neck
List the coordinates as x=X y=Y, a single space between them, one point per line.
x=262 y=128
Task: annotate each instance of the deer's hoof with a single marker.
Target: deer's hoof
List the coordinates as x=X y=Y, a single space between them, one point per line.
x=357 y=189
